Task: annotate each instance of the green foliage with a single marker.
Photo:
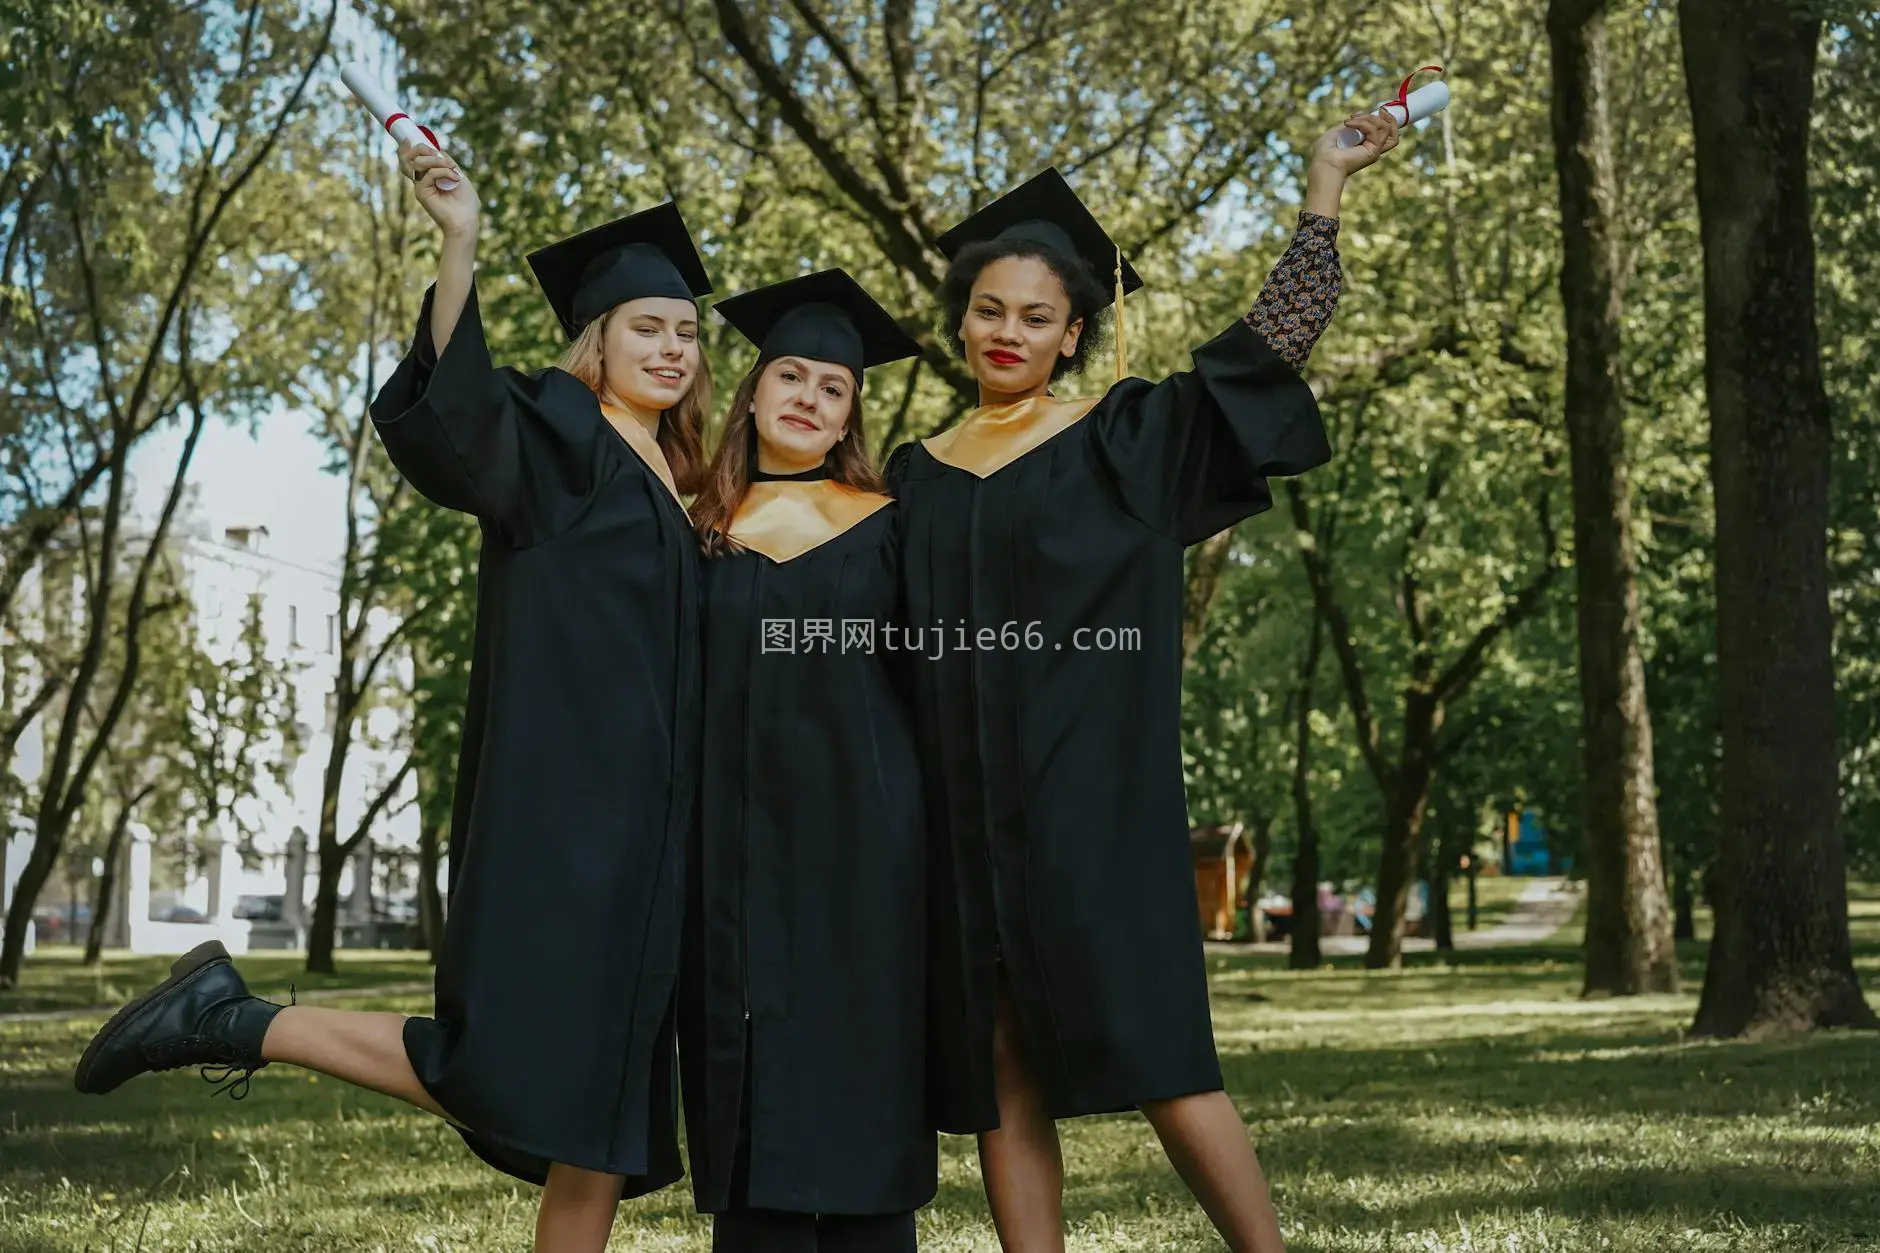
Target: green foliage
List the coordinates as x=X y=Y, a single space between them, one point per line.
x=132 y=260
x=851 y=133
x=234 y=726
x=436 y=551
x=1845 y=154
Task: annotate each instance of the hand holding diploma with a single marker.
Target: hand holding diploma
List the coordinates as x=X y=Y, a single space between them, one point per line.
x=372 y=94
x=442 y=188
x=1406 y=107
x=1332 y=159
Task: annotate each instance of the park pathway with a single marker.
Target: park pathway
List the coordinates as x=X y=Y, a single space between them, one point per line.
x=1543 y=908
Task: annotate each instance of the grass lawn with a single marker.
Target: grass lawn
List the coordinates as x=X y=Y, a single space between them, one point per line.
x=56 y=978
x=1474 y=1107
x=1495 y=896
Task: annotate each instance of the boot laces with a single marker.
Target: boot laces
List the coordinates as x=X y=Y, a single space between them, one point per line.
x=234 y=1076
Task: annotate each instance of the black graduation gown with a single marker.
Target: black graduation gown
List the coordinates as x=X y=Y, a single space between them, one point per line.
x=806 y=932
x=1055 y=773
x=553 y=1036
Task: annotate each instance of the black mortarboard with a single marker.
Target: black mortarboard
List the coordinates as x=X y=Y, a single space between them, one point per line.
x=644 y=254
x=825 y=316
x=1044 y=210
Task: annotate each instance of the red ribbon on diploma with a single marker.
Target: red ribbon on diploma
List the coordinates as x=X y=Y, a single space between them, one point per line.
x=433 y=138
x=1403 y=89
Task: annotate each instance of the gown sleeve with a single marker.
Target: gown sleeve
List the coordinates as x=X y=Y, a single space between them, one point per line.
x=516 y=450
x=1296 y=305
x=895 y=471
x=1191 y=455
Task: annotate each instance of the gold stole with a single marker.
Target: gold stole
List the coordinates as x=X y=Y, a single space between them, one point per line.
x=783 y=519
x=644 y=446
x=991 y=438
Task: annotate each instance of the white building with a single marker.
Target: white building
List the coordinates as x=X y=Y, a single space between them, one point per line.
x=300 y=620
x=223 y=568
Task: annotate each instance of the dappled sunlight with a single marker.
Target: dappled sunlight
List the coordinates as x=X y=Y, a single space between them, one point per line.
x=1481 y=1106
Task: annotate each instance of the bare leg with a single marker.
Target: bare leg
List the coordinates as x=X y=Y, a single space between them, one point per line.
x=364 y=1048
x=1021 y=1161
x=577 y=1210
x=1208 y=1145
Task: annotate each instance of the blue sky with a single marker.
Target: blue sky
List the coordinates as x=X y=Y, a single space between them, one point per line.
x=270 y=477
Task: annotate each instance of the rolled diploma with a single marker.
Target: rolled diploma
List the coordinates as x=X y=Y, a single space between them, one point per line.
x=1425 y=101
x=372 y=94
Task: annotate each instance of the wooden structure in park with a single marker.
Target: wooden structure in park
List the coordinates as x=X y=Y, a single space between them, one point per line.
x=1223 y=860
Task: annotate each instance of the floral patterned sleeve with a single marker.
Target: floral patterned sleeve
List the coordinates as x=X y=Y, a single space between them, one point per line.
x=1295 y=306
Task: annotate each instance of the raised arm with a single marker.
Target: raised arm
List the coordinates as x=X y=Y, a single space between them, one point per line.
x=515 y=450
x=1191 y=455
x=1297 y=303
x=457 y=214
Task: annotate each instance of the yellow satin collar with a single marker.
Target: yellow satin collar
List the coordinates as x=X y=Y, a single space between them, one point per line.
x=644 y=446
x=991 y=438
x=783 y=520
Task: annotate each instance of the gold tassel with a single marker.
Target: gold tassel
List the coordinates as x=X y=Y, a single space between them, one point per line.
x=1122 y=344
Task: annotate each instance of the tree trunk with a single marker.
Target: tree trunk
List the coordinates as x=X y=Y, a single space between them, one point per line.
x=1256 y=873
x=1628 y=924
x=431 y=839
x=329 y=856
x=1442 y=921
x=1684 y=906
x=107 y=887
x=1405 y=806
x=320 y=936
x=1393 y=892
x=1206 y=561
x=1780 y=959
x=1303 y=949
x=33 y=876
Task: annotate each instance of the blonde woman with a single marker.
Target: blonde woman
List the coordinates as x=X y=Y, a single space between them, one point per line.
x=551 y=1047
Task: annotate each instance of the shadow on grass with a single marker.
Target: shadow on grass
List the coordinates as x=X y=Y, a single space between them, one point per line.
x=1752 y=1196
x=1833 y=1078
x=1561 y=1179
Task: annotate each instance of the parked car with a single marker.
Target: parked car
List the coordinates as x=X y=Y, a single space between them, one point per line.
x=62 y=924
x=181 y=913
x=261 y=908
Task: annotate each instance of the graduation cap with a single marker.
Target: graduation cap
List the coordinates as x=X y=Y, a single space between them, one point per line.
x=1044 y=210
x=644 y=254
x=825 y=316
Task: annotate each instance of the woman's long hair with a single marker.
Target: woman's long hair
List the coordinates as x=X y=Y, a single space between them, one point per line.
x=729 y=477
x=681 y=428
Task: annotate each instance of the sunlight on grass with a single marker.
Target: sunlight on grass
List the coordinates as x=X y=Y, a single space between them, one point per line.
x=1476 y=1107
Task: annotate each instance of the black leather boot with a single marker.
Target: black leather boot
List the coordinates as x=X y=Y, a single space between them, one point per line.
x=202 y=1015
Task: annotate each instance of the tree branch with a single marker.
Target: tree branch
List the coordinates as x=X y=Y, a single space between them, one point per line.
x=1318 y=577
x=908 y=242
x=137 y=610
x=1524 y=604
x=891 y=438
x=864 y=86
x=373 y=810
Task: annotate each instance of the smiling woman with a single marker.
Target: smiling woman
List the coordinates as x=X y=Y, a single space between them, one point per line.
x=641 y=358
x=801 y=1015
x=1067 y=968
x=1019 y=312
x=551 y=1047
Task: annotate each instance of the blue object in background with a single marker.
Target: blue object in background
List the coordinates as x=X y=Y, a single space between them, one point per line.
x=1532 y=853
